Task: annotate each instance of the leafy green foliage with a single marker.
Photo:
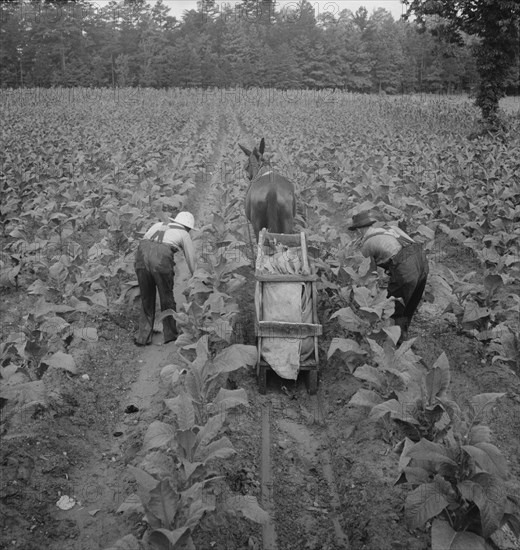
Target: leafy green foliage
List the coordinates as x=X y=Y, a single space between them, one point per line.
x=428 y=415
x=205 y=374
x=393 y=382
x=372 y=312
x=25 y=358
x=460 y=480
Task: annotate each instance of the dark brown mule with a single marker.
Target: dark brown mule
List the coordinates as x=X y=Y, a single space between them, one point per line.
x=270 y=199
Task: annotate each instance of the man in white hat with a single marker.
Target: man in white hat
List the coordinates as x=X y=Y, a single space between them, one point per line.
x=154 y=266
x=404 y=261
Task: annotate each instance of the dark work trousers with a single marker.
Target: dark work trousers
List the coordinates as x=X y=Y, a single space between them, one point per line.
x=408 y=271
x=154 y=263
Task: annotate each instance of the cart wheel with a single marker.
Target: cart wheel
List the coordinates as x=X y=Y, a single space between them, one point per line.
x=262 y=380
x=312 y=381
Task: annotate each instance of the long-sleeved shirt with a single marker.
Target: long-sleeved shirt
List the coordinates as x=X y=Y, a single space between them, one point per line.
x=175 y=235
x=382 y=243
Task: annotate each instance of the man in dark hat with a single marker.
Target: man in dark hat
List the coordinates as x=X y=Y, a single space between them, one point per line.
x=154 y=267
x=402 y=258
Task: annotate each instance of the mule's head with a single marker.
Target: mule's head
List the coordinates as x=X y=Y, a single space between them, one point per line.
x=255 y=159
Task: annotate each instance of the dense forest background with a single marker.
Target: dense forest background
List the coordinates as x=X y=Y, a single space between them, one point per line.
x=132 y=43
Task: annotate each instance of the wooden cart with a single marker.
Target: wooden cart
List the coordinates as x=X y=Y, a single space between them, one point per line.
x=275 y=329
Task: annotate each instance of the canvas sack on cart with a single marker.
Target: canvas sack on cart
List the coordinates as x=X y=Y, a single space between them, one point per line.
x=285 y=302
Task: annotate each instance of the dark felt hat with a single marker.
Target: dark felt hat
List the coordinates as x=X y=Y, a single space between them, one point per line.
x=362 y=219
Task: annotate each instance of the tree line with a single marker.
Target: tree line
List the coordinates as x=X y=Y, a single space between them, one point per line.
x=132 y=43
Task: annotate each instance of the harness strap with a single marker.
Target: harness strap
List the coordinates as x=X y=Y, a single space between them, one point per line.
x=158 y=236
x=259 y=175
x=400 y=239
x=264 y=174
x=404 y=242
x=177 y=225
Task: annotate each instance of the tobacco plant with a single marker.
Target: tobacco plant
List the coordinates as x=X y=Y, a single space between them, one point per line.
x=26 y=356
x=460 y=483
x=395 y=378
x=214 y=315
x=370 y=315
x=202 y=380
x=174 y=506
x=427 y=415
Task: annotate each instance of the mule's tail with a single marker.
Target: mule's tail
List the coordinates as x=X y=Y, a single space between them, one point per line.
x=273 y=225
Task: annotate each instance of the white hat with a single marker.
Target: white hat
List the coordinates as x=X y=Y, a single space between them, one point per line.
x=185 y=218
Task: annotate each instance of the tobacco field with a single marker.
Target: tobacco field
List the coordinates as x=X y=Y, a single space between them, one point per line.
x=108 y=446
